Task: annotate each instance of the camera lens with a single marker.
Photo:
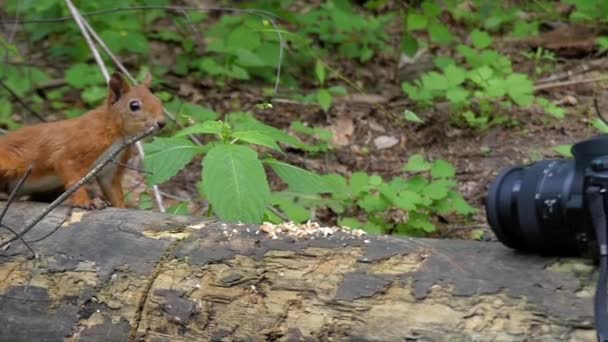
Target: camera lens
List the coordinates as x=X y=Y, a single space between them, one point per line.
x=526 y=207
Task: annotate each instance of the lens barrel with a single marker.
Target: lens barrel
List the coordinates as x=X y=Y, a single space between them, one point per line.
x=526 y=208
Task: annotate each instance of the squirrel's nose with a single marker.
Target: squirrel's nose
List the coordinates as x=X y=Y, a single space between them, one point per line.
x=161 y=124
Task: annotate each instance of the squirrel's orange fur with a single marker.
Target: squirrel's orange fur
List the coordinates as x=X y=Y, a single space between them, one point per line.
x=63 y=152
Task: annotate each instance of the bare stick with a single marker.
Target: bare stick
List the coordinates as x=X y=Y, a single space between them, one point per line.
x=10 y=200
x=71 y=190
x=86 y=36
x=13 y=194
x=21 y=102
x=569 y=83
x=81 y=24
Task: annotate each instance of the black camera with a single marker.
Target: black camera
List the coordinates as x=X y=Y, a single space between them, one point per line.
x=558 y=207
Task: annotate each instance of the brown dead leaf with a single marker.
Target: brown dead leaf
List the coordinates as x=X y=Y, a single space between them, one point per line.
x=569 y=40
x=343 y=131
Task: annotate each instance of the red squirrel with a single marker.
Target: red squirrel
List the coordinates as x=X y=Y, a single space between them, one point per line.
x=63 y=152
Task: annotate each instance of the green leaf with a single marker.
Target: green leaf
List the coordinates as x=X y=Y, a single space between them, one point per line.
x=350 y=222
x=442 y=169
x=455 y=75
x=438 y=189
x=235 y=184
x=411 y=116
x=440 y=34
x=258 y=138
x=416 y=21
x=179 y=209
x=324 y=99
x=434 y=81
x=407 y=200
x=320 y=71
x=480 y=39
x=249 y=59
x=457 y=95
x=375 y=180
x=166 y=156
x=409 y=45
x=564 y=150
x=421 y=221
x=94 y=95
x=207 y=127
x=83 y=75
x=373 y=228
x=299 y=180
x=481 y=75
x=417 y=163
x=359 y=182
x=373 y=203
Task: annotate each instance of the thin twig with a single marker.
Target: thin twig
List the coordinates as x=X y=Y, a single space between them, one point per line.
x=54 y=229
x=85 y=29
x=131 y=167
x=21 y=102
x=569 y=83
x=598 y=111
x=13 y=194
x=71 y=190
x=10 y=200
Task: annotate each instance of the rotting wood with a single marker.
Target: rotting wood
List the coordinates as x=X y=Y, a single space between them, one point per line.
x=175 y=278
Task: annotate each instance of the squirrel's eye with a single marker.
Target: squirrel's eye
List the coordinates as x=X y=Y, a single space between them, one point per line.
x=134 y=105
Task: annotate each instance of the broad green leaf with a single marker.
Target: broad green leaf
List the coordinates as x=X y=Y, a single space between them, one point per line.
x=457 y=95
x=207 y=127
x=350 y=222
x=455 y=75
x=373 y=228
x=179 y=209
x=375 y=180
x=242 y=122
x=411 y=116
x=409 y=45
x=94 y=95
x=247 y=58
x=416 y=21
x=292 y=209
x=83 y=75
x=442 y=169
x=481 y=75
x=373 y=203
x=434 y=81
x=440 y=34
x=196 y=112
x=324 y=99
x=235 y=183
x=407 y=200
x=359 y=182
x=320 y=71
x=564 y=150
x=299 y=180
x=417 y=163
x=421 y=221
x=438 y=189
x=258 y=138
x=166 y=156
x=480 y=39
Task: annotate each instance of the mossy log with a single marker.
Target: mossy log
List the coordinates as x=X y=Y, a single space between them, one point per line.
x=118 y=275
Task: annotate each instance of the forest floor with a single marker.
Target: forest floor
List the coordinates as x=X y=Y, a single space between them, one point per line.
x=359 y=119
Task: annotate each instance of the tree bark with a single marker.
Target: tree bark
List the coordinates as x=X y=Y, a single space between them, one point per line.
x=117 y=275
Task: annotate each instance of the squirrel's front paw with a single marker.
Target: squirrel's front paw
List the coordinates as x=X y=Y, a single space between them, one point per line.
x=95 y=204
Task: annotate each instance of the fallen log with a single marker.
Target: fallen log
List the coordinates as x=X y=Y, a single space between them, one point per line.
x=117 y=275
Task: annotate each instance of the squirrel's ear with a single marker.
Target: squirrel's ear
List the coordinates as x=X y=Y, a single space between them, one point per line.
x=148 y=80
x=118 y=86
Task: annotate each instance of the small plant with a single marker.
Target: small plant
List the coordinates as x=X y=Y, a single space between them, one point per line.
x=338 y=27
x=406 y=206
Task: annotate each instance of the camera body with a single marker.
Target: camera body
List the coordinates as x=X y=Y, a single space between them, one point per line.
x=543 y=207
